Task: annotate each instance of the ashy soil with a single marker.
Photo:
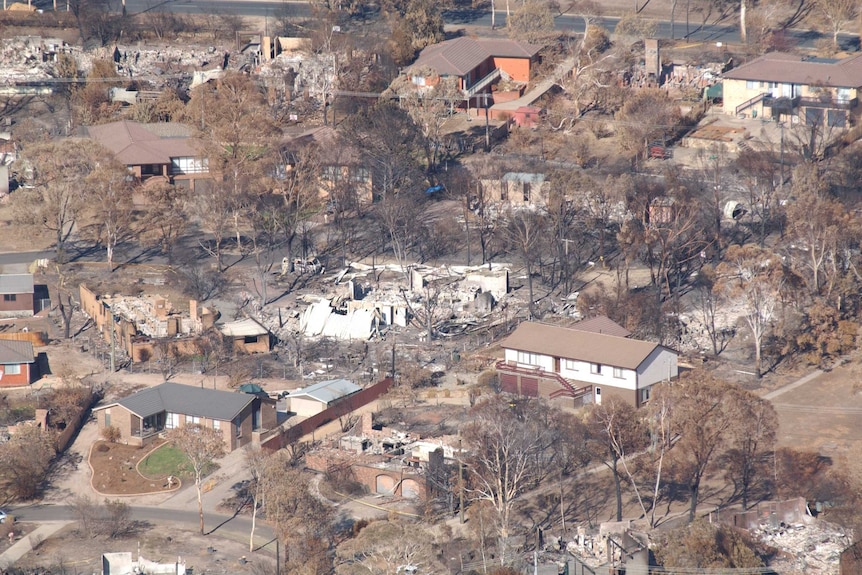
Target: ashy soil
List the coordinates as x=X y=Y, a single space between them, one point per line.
x=68 y=552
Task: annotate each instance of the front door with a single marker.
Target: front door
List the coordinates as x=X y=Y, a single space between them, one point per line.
x=598 y=396
x=556 y=365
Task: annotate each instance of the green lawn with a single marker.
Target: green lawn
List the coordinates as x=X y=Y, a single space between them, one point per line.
x=168 y=460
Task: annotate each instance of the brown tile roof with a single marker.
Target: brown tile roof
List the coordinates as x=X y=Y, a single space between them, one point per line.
x=333 y=150
x=569 y=343
x=12 y=352
x=795 y=69
x=602 y=324
x=459 y=56
x=133 y=144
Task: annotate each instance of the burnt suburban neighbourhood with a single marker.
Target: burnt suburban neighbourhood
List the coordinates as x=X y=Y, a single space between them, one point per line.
x=386 y=287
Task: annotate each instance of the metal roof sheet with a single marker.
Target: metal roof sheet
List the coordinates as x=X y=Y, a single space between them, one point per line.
x=16 y=283
x=327 y=391
x=187 y=400
x=242 y=328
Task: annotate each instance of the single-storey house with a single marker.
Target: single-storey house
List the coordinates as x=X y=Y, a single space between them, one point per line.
x=17 y=363
x=809 y=89
x=247 y=335
x=154 y=152
x=474 y=63
x=16 y=295
x=343 y=176
x=315 y=398
x=143 y=416
x=564 y=363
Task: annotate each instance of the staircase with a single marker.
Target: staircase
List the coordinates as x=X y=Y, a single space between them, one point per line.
x=749 y=103
x=566 y=387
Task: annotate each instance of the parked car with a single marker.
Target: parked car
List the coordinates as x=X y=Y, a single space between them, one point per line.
x=2 y=516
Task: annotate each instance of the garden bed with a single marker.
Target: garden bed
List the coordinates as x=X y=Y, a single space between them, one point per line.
x=115 y=470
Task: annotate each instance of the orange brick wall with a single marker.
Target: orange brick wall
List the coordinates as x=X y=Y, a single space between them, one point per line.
x=22 y=378
x=517 y=68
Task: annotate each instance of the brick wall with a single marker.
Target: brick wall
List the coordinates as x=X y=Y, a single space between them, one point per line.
x=343 y=407
x=18 y=379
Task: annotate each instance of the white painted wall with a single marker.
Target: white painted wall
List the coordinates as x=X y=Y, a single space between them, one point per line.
x=656 y=366
x=584 y=373
x=305 y=407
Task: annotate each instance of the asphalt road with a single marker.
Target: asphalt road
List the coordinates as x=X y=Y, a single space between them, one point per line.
x=218 y=525
x=711 y=33
x=25 y=257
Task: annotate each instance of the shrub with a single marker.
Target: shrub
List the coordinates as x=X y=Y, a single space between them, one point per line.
x=112 y=434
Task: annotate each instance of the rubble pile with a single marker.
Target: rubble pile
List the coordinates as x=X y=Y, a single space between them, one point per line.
x=811 y=549
x=30 y=58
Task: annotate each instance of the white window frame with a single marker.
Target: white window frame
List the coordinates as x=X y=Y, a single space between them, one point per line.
x=193 y=420
x=571 y=364
x=528 y=358
x=172 y=420
x=596 y=368
x=618 y=373
x=237 y=422
x=12 y=369
x=646 y=393
x=216 y=424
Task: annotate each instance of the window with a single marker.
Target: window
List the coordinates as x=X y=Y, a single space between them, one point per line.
x=249 y=339
x=836 y=118
x=14 y=369
x=216 y=424
x=189 y=166
x=618 y=373
x=360 y=175
x=571 y=365
x=108 y=417
x=172 y=421
x=193 y=420
x=596 y=368
x=752 y=85
x=813 y=116
x=237 y=423
x=331 y=173
x=526 y=190
x=9 y=297
x=528 y=358
x=645 y=394
x=504 y=191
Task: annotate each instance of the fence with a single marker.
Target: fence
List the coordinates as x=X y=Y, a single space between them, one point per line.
x=37 y=338
x=343 y=407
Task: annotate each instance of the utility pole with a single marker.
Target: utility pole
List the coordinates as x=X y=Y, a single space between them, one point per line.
x=460 y=485
x=781 y=158
x=113 y=358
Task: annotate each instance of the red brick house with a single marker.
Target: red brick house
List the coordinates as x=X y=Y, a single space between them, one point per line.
x=17 y=363
x=142 y=416
x=16 y=295
x=154 y=152
x=476 y=63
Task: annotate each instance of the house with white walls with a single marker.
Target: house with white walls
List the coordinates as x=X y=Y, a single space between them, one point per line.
x=582 y=365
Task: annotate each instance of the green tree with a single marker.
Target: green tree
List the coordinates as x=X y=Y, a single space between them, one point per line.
x=531 y=22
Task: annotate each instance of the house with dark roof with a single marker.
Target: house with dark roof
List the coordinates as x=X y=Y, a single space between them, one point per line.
x=16 y=295
x=17 y=363
x=143 y=416
x=577 y=366
x=474 y=63
x=155 y=152
x=797 y=88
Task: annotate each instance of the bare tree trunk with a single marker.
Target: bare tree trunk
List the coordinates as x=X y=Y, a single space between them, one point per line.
x=200 y=502
x=743 y=27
